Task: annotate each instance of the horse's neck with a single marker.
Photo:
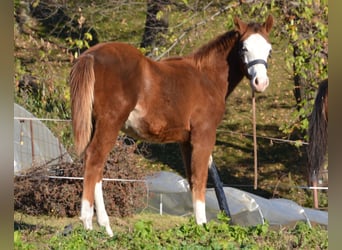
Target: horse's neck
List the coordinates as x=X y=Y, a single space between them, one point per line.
x=221 y=57
x=236 y=73
x=227 y=67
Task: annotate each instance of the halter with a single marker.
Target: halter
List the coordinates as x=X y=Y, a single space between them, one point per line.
x=254 y=62
x=257 y=61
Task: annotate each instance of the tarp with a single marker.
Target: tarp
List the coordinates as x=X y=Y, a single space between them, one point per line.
x=34 y=143
x=169 y=193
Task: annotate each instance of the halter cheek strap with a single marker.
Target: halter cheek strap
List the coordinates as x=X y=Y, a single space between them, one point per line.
x=257 y=61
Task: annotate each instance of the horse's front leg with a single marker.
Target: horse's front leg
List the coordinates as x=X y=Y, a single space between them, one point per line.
x=200 y=162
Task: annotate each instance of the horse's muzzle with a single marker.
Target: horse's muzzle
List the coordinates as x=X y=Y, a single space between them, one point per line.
x=259 y=84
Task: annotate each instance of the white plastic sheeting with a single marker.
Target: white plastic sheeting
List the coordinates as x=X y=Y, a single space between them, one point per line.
x=34 y=143
x=169 y=193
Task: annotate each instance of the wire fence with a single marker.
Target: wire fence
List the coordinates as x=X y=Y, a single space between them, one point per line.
x=36 y=145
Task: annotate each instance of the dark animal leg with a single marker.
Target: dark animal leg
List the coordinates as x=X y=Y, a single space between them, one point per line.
x=221 y=197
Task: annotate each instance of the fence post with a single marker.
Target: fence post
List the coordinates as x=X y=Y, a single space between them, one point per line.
x=32 y=142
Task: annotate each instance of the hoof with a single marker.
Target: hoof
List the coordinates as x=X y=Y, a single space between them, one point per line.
x=109 y=231
x=104 y=222
x=87 y=223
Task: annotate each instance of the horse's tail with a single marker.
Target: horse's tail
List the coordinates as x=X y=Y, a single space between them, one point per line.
x=318 y=131
x=82 y=80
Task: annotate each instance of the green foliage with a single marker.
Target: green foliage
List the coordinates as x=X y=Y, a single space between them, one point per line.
x=78 y=45
x=262 y=9
x=307 y=30
x=189 y=235
x=306 y=237
x=79 y=239
x=20 y=244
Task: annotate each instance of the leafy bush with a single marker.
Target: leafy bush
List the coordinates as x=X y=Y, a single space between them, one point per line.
x=306 y=26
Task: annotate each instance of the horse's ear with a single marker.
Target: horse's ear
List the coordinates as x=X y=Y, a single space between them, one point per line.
x=239 y=24
x=268 y=23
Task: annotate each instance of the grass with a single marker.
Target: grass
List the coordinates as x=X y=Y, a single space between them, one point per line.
x=152 y=231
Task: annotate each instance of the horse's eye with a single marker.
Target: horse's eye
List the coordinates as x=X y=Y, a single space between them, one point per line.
x=244 y=49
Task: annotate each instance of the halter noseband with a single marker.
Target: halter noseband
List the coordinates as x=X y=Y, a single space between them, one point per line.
x=257 y=61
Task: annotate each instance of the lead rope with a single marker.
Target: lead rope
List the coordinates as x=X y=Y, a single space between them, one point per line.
x=255 y=143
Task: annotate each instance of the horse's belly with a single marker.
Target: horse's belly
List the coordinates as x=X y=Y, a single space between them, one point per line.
x=153 y=128
x=132 y=124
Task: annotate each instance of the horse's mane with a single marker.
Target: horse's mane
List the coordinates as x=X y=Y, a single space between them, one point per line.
x=219 y=45
x=172 y=58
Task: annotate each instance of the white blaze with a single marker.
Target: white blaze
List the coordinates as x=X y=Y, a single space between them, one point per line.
x=256 y=47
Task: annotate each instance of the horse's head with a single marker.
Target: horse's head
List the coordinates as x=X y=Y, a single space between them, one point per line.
x=254 y=49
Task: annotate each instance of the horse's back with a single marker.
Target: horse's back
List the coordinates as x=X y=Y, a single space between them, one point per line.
x=116 y=57
x=111 y=48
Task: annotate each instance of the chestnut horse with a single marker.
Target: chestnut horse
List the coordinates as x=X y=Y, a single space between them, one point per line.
x=318 y=136
x=180 y=99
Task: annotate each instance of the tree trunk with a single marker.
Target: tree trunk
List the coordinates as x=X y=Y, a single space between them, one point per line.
x=155 y=25
x=297 y=80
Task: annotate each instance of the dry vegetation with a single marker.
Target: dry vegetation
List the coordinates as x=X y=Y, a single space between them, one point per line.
x=37 y=194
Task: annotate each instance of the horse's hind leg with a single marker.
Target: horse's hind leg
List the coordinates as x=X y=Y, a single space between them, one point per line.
x=95 y=156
